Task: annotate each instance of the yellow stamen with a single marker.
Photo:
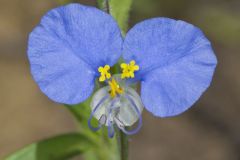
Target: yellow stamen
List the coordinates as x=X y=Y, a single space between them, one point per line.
x=129 y=69
x=104 y=73
x=114 y=88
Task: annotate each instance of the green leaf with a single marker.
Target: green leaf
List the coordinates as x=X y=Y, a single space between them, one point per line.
x=81 y=111
x=102 y=4
x=119 y=9
x=56 y=148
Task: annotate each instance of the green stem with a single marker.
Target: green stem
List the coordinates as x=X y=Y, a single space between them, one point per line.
x=104 y=5
x=122 y=137
x=123 y=142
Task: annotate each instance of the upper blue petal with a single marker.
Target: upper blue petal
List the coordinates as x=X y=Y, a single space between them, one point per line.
x=176 y=64
x=68 y=46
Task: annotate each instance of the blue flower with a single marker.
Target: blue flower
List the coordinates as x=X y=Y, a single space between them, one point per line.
x=74 y=45
x=67 y=47
x=176 y=60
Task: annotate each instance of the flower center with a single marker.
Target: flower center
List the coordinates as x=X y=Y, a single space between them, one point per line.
x=113 y=107
x=117 y=103
x=114 y=88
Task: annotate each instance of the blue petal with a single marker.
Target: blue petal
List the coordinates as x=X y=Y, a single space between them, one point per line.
x=68 y=46
x=176 y=64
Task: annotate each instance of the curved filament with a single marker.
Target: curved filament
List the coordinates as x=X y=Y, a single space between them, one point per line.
x=110 y=129
x=110 y=122
x=101 y=118
x=120 y=123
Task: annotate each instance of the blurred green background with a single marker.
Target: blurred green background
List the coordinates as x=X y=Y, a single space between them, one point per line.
x=208 y=131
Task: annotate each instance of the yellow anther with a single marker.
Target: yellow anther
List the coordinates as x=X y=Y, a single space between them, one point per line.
x=104 y=73
x=129 y=69
x=114 y=88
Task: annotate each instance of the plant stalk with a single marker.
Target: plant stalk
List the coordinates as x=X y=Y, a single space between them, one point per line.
x=121 y=137
x=123 y=142
x=104 y=5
